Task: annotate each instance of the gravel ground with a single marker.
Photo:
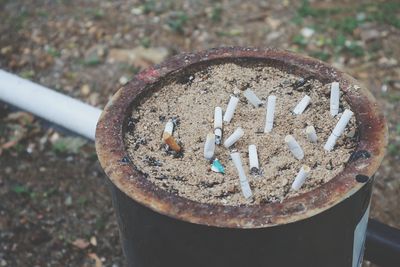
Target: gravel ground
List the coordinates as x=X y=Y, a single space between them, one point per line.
x=54 y=207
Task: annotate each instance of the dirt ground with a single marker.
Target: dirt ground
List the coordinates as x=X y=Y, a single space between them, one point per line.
x=54 y=207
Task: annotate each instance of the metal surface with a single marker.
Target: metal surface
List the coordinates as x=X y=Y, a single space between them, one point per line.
x=359 y=170
x=383 y=244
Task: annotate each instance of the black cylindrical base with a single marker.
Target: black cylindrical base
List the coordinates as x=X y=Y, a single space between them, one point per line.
x=150 y=239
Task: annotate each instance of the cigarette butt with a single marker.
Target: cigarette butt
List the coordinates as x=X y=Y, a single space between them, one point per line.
x=301 y=177
x=244 y=183
x=170 y=141
x=269 y=117
x=338 y=130
x=253 y=159
x=302 y=105
x=230 y=109
x=233 y=138
x=311 y=134
x=218 y=136
x=335 y=98
x=218 y=117
x=209 y=146
x=252 y=98
x=218 y=125
x=294 y=147
x=169 y=127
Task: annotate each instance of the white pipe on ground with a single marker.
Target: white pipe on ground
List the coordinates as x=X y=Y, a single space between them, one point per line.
x=60 y=109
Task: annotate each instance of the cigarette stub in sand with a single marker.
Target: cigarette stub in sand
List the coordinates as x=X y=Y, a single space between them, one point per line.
x=335 y=96
x=209 y=146
x=302 y=105
x=169 y=127
x=230 y=110
x=253 y=159
x=168 y=138
x=338 y=130
x=252 y=98
x=294 y=147
x=301 y=177
x=311 y=134
x=234 y=137
x=218 y=125
x=170 y=141
x=244 y=183
x=269 y=117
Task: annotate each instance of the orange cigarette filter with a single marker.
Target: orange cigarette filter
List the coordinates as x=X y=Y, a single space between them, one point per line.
x=170 y=141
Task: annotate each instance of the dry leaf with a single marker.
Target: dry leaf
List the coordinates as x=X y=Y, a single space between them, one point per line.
x=81 y=243
x=93 y=241
x=96 y=258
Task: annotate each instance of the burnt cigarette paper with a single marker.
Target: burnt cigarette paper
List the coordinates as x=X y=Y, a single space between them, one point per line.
x=253 y=159
x=269 y=117
x=233 y=138
x=218 y=125
x=230 y=110
x=335 y=98
x=302 y=105
x=169 y=127
x=338 y=130
x=311 y=134
x=252 y=98
x=301 y=177
x=244 y=183
x=294 y=147
x=209 y=146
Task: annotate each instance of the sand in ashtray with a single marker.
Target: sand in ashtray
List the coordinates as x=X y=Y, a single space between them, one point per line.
x=191 y=101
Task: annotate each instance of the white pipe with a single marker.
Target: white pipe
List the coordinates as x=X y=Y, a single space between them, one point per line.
x=63 y=110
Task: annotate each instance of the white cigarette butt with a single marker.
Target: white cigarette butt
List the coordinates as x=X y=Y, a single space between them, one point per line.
x=218 y=125
x=253 y=158
x=269 y=117
x=218 y=136
x=234 y=137
x=301 y=177
x=230 y=109
x=302 y=105
x=209 y=146
x=338 y=130
x=244 y=183
x=169 y=127
x=294 y=147
x=252 y=98
x=311 y=134
x=335 y=98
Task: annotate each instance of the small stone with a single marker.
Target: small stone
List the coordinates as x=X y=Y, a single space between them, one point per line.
x=123 y=80
x=68 y=201
x=307 y=32
x=5 y=50
x=85 y=90
x=94 y=99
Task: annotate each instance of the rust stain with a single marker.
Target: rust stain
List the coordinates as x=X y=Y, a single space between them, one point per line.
x=111 y=148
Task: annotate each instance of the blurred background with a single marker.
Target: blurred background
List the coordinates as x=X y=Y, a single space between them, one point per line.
x=54 y=207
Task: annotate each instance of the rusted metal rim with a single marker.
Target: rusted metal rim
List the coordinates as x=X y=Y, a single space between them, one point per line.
x=360 y=168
